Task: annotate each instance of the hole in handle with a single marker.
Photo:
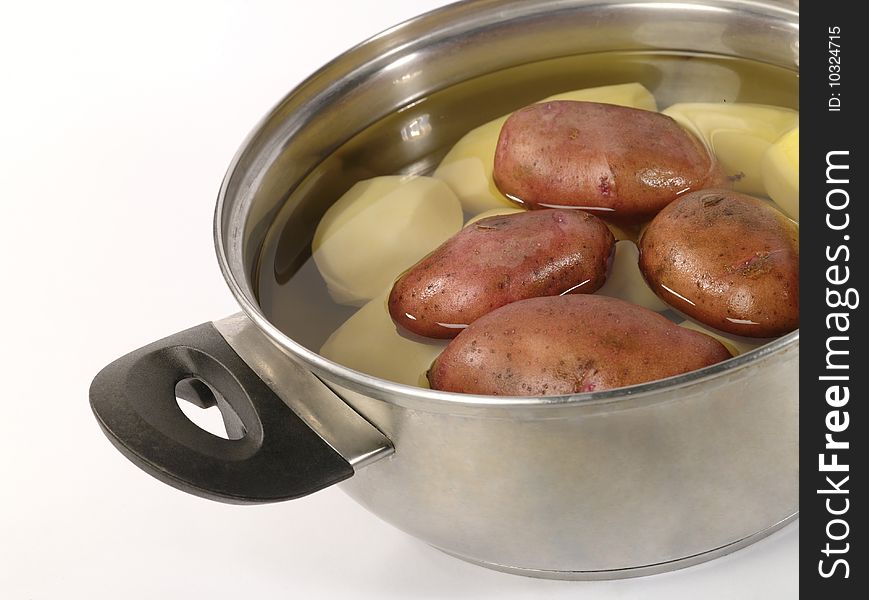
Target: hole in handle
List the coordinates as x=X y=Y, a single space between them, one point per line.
x=206 y=408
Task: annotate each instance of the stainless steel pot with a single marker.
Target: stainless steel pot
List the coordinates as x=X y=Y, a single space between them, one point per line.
x=602 y=485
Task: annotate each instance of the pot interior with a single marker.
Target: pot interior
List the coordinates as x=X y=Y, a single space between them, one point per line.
x=396 y=104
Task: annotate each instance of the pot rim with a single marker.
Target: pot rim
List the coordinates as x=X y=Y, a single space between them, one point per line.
x=418 y=396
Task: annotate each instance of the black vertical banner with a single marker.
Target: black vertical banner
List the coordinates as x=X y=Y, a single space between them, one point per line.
x=833 y=365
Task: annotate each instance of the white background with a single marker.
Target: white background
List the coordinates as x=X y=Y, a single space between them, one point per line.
x=116 y=126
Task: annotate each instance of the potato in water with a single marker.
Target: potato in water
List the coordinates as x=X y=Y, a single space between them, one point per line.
x=626 y=282
x=781 y=173
x=622 y=163
x=467 y=168
x=494 y=212
x=728 y=260
x=499 y=260
x=379 y=228
x=369 y=343
x=569 y=345
x=738 y=134
x=735 y=344
x=546 y=301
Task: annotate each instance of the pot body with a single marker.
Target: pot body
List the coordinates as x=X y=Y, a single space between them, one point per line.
x=608 y=484
x=664 y=480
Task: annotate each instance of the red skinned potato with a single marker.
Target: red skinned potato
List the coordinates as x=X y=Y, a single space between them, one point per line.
x=623 y=163
x=499 y=260
x=569 y=345
x=728 y=260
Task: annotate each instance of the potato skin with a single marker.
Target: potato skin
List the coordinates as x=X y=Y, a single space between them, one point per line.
x=499 y=260
x=625 y=162
x=568 y=345
x=729 y=260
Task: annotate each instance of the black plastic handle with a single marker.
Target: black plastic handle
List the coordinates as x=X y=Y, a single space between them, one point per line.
x=276 y=456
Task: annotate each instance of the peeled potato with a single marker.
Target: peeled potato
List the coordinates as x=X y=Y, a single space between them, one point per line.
x=623 y=94
x=735 y=344
x=626 y=282
x=625 y=231
x=368 y=342
x=494 y=212
x=380 y=228
x=467 y=168
x=739 y=135
x=781 y=173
